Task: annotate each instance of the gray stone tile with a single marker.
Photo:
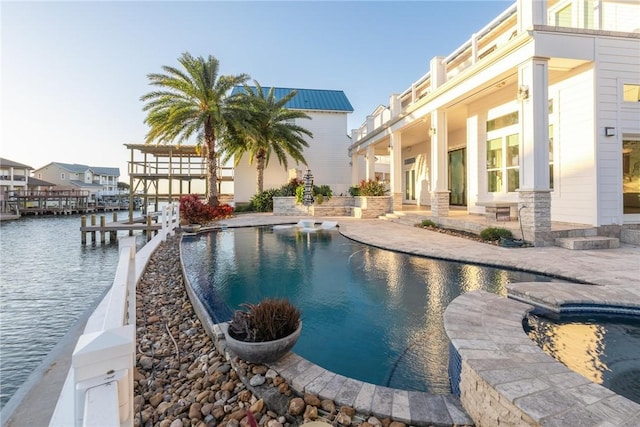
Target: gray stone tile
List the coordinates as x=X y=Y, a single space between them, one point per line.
x=573 y=417
x=348 y=392
x=382 y=401
x=545 y=404
x=524 y=387
x=457 y=413
x=400 y=406
x=418 y=408
x=590 y=393
x=300 y=382
x=330 y=391
x=320 y=382
x=364 y=399
x=567 y=380
x=616 y=409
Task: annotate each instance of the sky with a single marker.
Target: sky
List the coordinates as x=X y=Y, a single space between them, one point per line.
x=72 y=73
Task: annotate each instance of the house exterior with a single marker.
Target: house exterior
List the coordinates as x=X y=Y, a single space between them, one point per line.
x=539 y=110
x=326 y=155
x=14 y=177
x=98 y=181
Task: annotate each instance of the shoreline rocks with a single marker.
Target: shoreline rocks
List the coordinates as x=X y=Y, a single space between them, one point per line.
x=181 y=380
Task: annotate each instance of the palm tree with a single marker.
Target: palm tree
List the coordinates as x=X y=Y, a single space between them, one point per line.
x=266 y=128
x=192 y=102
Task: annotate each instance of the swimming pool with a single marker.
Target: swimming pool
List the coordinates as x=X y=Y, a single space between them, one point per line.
x=369 y=314
x=603 y=348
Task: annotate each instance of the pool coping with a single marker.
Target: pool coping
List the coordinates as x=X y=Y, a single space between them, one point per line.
x=613 y=291
x=410 y=407
x=506 y=377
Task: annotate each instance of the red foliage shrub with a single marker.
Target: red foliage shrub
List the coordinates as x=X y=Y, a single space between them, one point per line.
x=193 y=211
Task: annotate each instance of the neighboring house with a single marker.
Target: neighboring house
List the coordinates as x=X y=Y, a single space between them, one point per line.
x=14 y=177
x=326 y=155
x=36 y=184
x=539 y=110
x=98 y=181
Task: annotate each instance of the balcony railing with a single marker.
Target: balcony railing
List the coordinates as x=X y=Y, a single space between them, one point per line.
x=609 y=15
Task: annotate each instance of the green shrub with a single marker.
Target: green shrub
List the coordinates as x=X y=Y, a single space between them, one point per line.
x=354 y=190
x=372 y=188
x=428 y=223
x=263 y=202
x=289 y=189
x=320 y=193
x=495 y=233
x=243 y=207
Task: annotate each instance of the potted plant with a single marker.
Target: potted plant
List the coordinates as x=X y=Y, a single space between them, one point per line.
x=264 y=332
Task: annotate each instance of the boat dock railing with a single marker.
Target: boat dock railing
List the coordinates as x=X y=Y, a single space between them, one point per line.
x=98 y=390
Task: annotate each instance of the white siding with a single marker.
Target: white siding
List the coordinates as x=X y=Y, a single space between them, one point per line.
x=326 y=156
x=621 y=15
x=618 y=63
x=574 y=195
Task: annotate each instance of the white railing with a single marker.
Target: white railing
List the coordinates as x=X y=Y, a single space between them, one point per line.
x=98 y=390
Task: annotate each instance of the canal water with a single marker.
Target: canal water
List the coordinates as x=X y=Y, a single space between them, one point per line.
x=48 y=279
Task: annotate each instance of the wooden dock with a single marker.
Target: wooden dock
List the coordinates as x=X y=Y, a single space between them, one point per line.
x=145 y=224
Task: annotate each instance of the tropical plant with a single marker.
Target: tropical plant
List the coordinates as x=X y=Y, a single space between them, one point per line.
x=269 y=320
x=428 y=223
x=263 y=201
x=289 y=189
x=267 y=128
x=372 y=188
x=354 y=190
x=495 y=233
x=193 y=211
x=192 y=102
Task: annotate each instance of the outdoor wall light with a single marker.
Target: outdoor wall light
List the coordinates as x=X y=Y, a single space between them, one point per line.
x=432 y=131
x=609 y=131
x=523 y=93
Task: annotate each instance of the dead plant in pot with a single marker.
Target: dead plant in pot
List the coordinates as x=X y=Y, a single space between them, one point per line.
x=264 y=332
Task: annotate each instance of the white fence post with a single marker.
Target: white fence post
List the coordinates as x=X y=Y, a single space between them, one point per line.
x=104 y=358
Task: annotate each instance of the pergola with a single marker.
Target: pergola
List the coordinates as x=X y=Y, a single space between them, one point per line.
x=167 y=172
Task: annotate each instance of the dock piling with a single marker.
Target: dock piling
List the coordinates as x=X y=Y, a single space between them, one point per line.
x=102 y=232
x=83 y=233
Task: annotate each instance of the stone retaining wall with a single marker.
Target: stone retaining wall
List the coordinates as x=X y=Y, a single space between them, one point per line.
x=360 y=207
x=369 y=207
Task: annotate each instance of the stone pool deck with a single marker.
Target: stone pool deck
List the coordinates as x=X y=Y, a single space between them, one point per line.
x=505 y=376
x=616 y=270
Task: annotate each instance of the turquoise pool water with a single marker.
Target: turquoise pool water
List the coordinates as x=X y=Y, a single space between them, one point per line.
x=603 y=348
x=369 y=314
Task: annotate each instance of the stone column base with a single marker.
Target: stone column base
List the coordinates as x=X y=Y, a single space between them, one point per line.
x=396 y=202
x=440 y=203
x=534 y=207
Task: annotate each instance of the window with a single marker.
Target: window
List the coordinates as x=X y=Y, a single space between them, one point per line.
x=563 y=16
x=631 y=93
x=62 y=176
x=503 y=154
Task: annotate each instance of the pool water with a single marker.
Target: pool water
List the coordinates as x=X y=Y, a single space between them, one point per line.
x=603 y=348
x=369 y=314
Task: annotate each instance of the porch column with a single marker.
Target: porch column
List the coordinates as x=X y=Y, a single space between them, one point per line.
x=530 y=13
x=355 y=172
x=534 y=195
x=370 y=163
x=395 y=170
x=440 y=189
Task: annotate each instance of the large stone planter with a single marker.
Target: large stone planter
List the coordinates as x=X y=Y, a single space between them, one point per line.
x=262 y=352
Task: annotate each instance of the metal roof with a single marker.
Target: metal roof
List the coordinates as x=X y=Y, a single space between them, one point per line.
x=309 y=99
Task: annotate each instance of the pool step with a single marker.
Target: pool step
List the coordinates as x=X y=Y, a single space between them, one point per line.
x=590 y=242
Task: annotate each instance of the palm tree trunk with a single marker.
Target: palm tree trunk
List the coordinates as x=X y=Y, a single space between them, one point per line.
x=260 y=164
x=212 y=167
